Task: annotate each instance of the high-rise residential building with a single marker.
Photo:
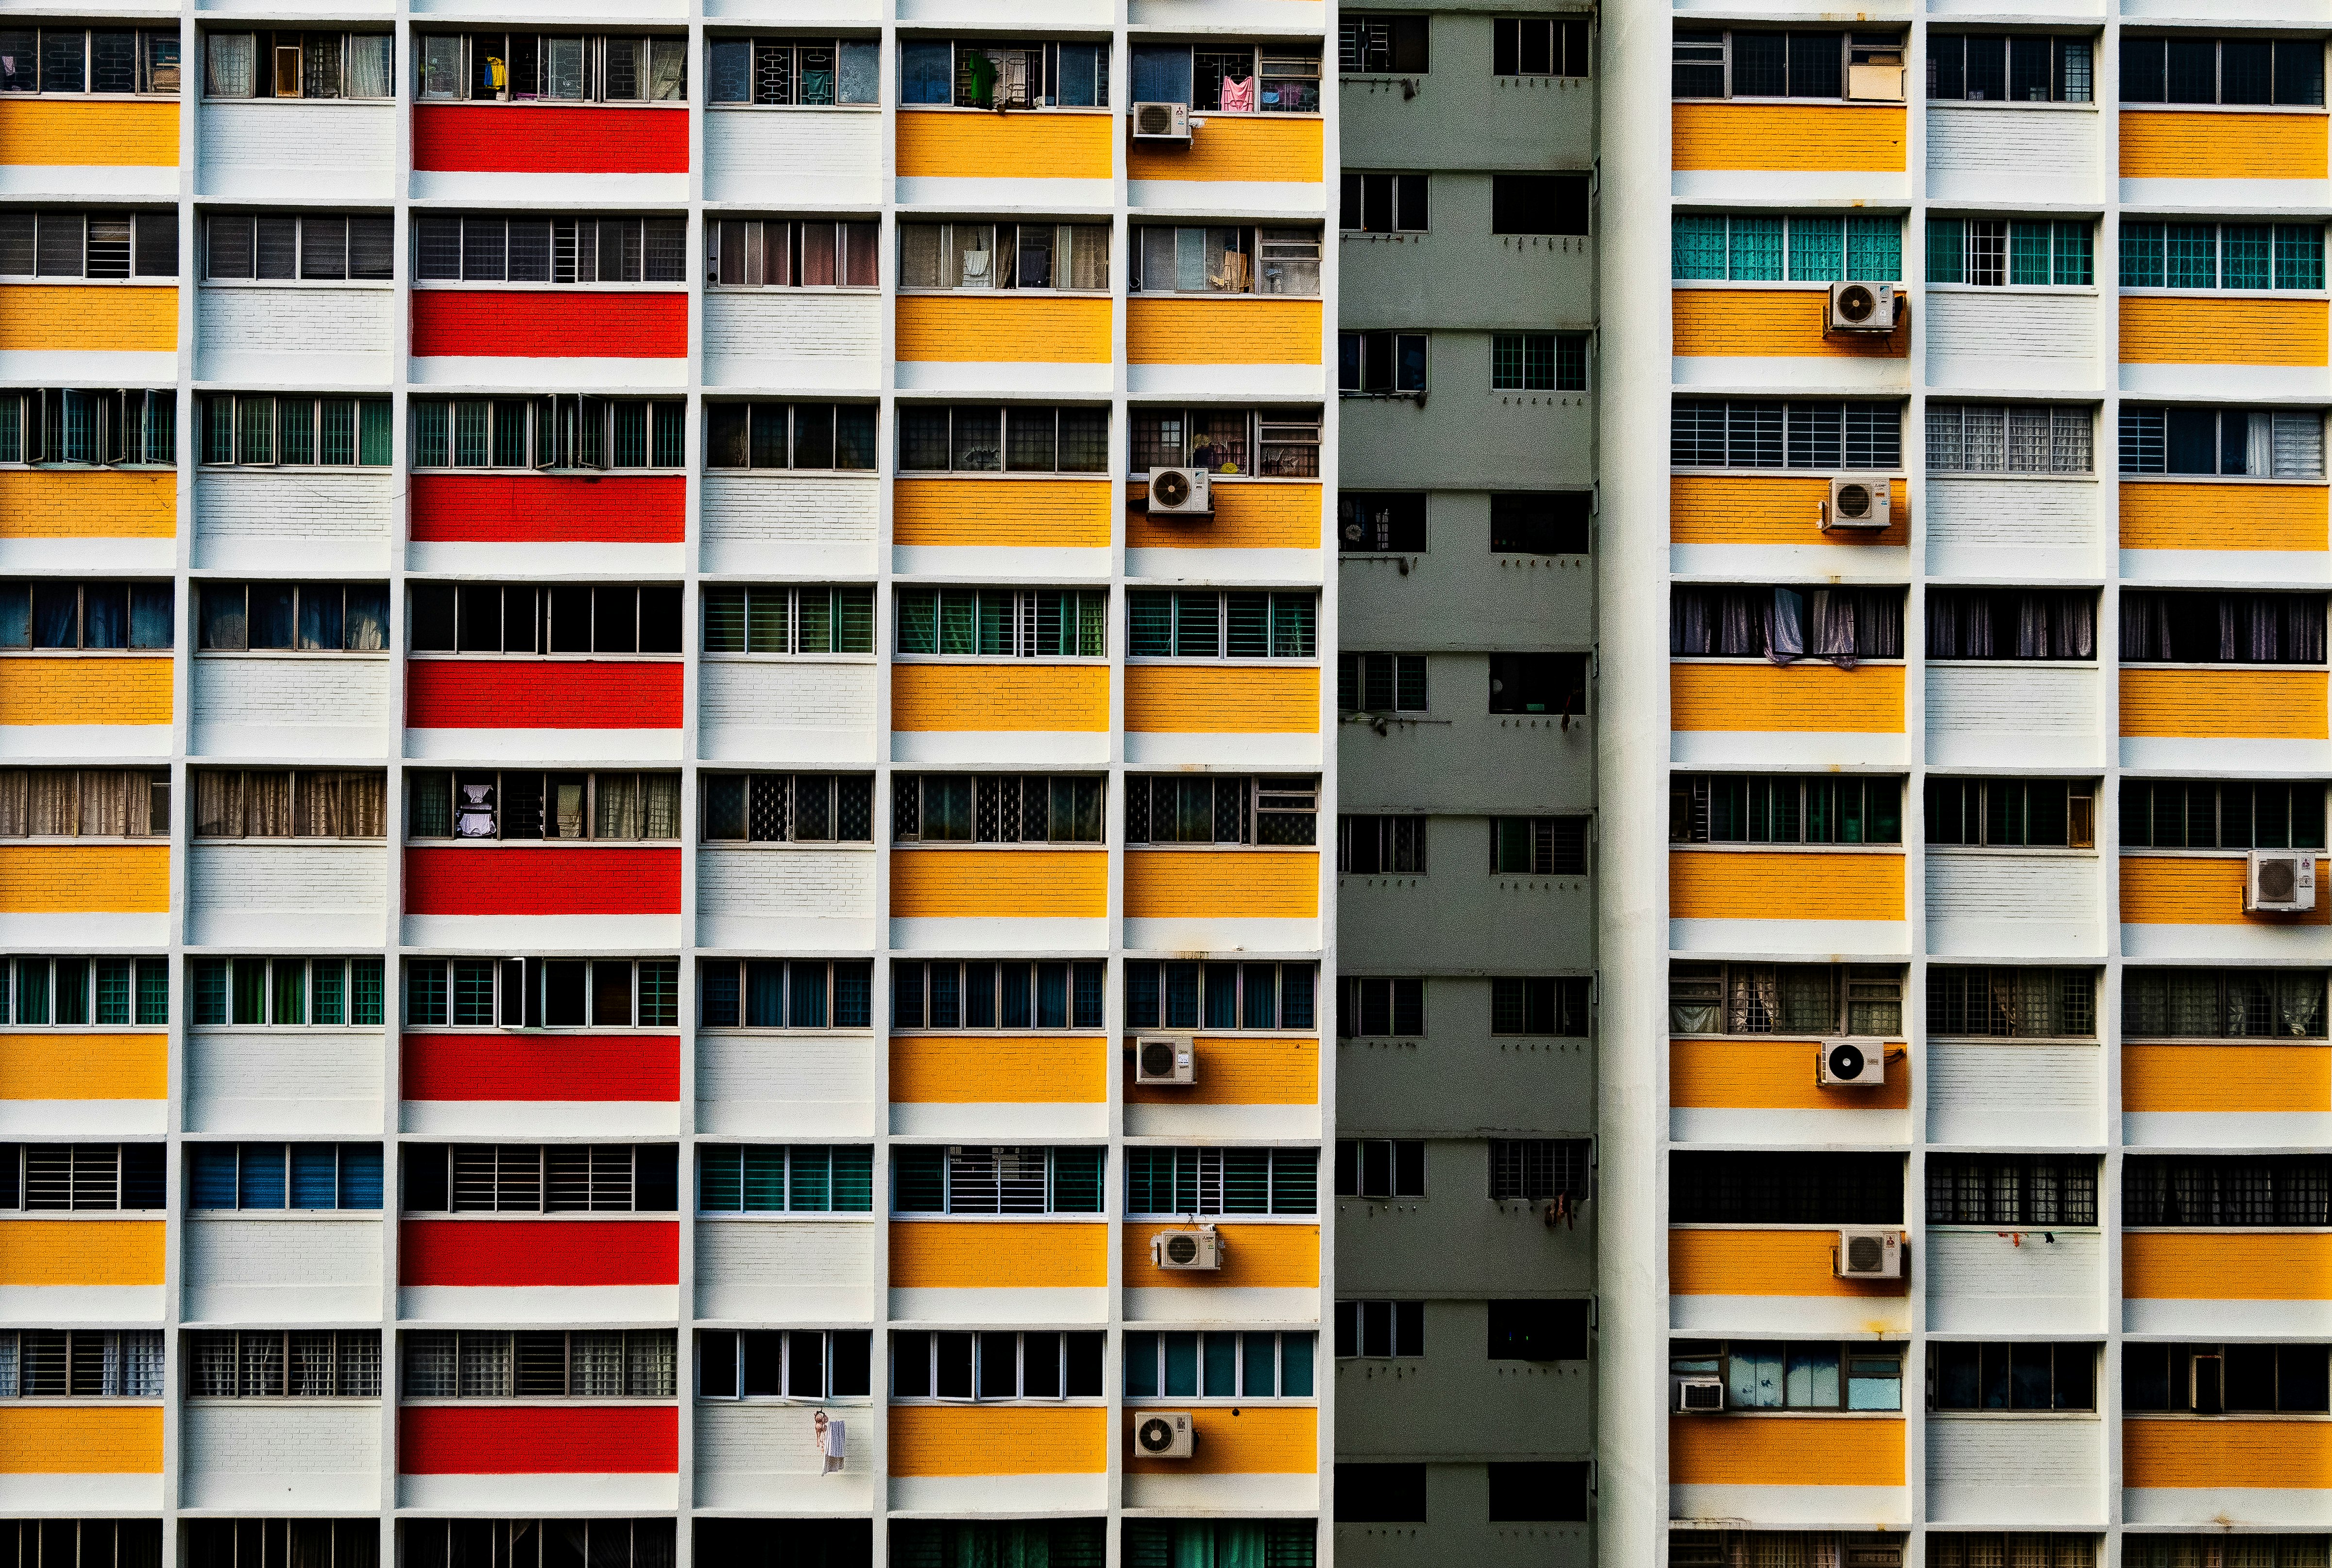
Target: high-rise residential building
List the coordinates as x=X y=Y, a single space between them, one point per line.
x=1464 y=1239
x=661 y=691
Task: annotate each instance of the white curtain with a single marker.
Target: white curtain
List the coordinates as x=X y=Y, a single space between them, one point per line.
x=230 y=57
x=371 y=69
x=1786 y=638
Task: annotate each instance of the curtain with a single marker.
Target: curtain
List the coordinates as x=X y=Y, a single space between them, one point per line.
x=661 y=808
x=2303 y=630
x=1832 y=624
x=2076 y=626
x=55 y=803
x=1755 y=1005
x=343 y=805
x=267 y=803
x=218 y=804
x=230 y=61
x=311 y=1364
x=1785 y=631
x=618 y=814
x=370 y=72
x=16 y=803
x=2259 y=445
x=597 y=1365
x=2031 y=625
x=2145 y=627
x=651 y=1370
x=104 y=809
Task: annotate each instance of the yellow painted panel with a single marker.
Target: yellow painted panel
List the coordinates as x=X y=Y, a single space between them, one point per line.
x=1752 y=1073
x=1809 y=696
x=963 y=144
x=2207 y=145
x=99 y=689
x=948 y=1070
x=1764 y=1263
x=85 y=879
x=1193 y=699
x=1265 y=1257
x=2206 y=704
x=66 y=131
x=981 y=329
x=1263 y=515
x=1172 y=330
x=2174 y=890
x=998 y=1439
x=2156 y=330
x=1226 y=884
x=1778 y=323
x=2216 y=1266
x=84 y=1067
x=80 y=1252
x=999 y=696
x=2209 y=516
x=1784 y=885
x=961 y=1255
x=97 y=504
x=82 y=1440
x=1239 y=1069
x=1270 y=148
x=1866 y=137
x=2226 y=1078
x=1780 y=1450
x=2284 y=1455
x=81 y=315
x=1031 y=514
x=1756 y=509
x=1014 y=883
x=1250 y=1440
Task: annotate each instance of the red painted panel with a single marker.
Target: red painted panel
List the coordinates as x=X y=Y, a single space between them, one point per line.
x=549 y=139
x=549 y=878
x=514 y=1252
x=540 y=694
x=531 y=509
x=550 y=324
x=542 y=1067
x=538 y=1439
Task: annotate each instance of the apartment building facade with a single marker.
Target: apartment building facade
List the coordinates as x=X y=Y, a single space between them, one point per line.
x=662 y=684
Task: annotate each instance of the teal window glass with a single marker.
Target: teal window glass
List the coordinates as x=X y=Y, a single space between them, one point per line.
x=2298 y=256
x=1874 y=248
x=1696 y=242
x=2141 y=255
x=1946 y=251
x=2249 y=250
x=1756 y=249
x=2191 y=256
x=1817 y=250
x=2075 y=263
x=2028 y=253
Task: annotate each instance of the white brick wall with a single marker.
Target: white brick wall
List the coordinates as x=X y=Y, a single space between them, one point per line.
x=789 y=524
x=288 y=1268
x=789 y=336
x=286 y=891
x=307 y=1081
x=774 y=1084
x=798 y=1270
x=1966 y=513
x=267 y=1456
x=2024 y=1469
x=252 y=329
x=1998 y=337
x=1997 y=151
x=2015 y=1093
x=836 y=884
x=291 y=705
x=308 y=520
x=267 y=148
x=814 y=713
x=804 y=155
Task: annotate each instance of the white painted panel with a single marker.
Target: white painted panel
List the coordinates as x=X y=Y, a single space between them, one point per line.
x=2010 y=712
x=289 y=1268
x=321 y=334
x=787 y=1271
x=786 y=1085
x=2013 y=526
x=309 y=520
x=304 y=1080
x=813 y=338
x=1985 y=903
x=813 y=155
x=788 y=711
x=263 y=1456
x=796 y=525
x=285 y=890
x=2012 y=339
x=2016 y=1470
x=778 y=895
x=2011 y=1092
x=291 y=705
x=763 y=1455
x=2012 y=152
x=2015 y=1282
x=264 y=148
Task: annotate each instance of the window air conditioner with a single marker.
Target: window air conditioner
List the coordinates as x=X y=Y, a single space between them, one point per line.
x=1198 y=1249
x=1851 y=1063
x=1863 y=308
x=2279 y=881
x=1161 y=122
x=1165 y=1435
x=1871 y=1554
x=1699 y=1396
x=1871 y=1254
x=1165 y=1058
x=1874 y=84
x=1182 y=491
x=1858 y=501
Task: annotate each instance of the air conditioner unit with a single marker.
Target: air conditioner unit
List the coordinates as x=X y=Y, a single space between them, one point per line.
x=1198 y=1249
x=1161 y=122
x=1163 y=1435
x=1851 y=1063
x=1165 y=1058
x=1869 y=1254
x=1182 y=491
x=2279 y=881
x=1699 y=1396
x=1859 y=307
x=1875 y=83
x=1858 y=501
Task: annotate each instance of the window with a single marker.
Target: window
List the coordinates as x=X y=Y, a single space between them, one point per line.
x=2011 y=1190
x=533 y=1179
x=1379 y=1332
x=1995 y=252
x=1976 y=1549
x=482 y=804
x=1186 y=1182
x=1220 y=1363
x=1533 y=1170
x=778 y=252
x=254 y=1176
x=2223 y=1003
x=1818 y=247
x=38 y=993
x=968 y=1179
x=1991 y=623
x=1784 y=1189
x=2226 y=1190
x=1369 y=45
x=293 y=617
x=280 y=247
x=1793 y=64
x=1223 y=78
x=1205 y=624
x=254 y=431
x=1056 y=256
x=803 y=73
x=1538 y=361
x=563 y=432
x=543 y=992
x=2009 y=438
x=1552 y=1491
x=776 y=808
x=1380 y=846
x=1382 y=204
x=2191 y=69
x=113 y=429
x=1221 y=809
x=2012 y=1003
x=73 y=1176
x=1547 y=683
x=1224 y=996
x=111 y=243
x=1541 y=523
x=546 y=249
x=80 y=1364
x=614 y=1364
x=2222 y=255
x=2256 y=444
x=996 y=809
x=284 y=64
x=1380 y=1168
x=1739 y=433
x=1381 y=1493
x=949 y=994
x=1380 y=521
x=1780 y=809
x=86 y=616
x=1002 y=623
x=1219 y=441
x=778 y=994
x=2018 y=1376
x=1540 y=1004
x=812 y=1364
x=65 y=803
x=784 y=1178
x=1538 y=846
x=1864 y=999
x=487 y=618
x=270 y=1363
x=108 y=59
x=1369 y=1006
x=1539 y=46
x=1218 y=1543
x=248 y=1543
x=976 y=73
x=524 y=67
x=1380 y=682
x=289 y=803
x=1553 y=1329
x=1538 y=203
x=1379 y=363
x=1215 y=260
x=2223 y=1379
x=995 y=1365
x=1781 y=625
x=1769 y=1374
x=2008 y=68
x=2208 y=815
x=798 y=435
x=1062 y=1542
x=2222 y=627
x=522 y=1543
x=285 y=993
x=934 y=438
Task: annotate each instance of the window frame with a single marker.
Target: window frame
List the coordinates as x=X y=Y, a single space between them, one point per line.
x=383 y=235
x=1851 y=40
x=1160 y=978
x=591 y=77
x=1303 y=625
x=147 y=232
x=147 y=1006
x=2139 y=422
x=712 y=1343
x=202 y=1152
x=755 y=42
x=117 y=1359
x=544 y=605
x=1691 y=1358
x=1021 y=619
x=1054 y=1175
x=833 y=977
x=1292 y=800
x=1084 y=996
x=199 y=1341
x=861 y=1175
x=2068 y=423
x=1571 y=42
x=114 y=423
x=979 y=1342
x=1401 y=1161
x=1404 y=1330
x=156 y=817
x=982 y=787
x=146 y=66
x=416 y=1155
x=2159 y=233
x=632 y=236
x=2060 y=64
x=553 y=435
x=836 y=786
x=1515 y=363
x=2218 y=100
x=1286 y=1345
x=1411 y=355
x=962 y=93
x=371 y=428
x=532 y=981
x=498 y=803
x=863 y=439
x=1251 y=242
x=1689 y=984
x=230 y=975
x=297 y=806
x=264 y=63
x=1064 y=239
x=1297 y=442
x=2011 y=1353
x=1407 y=194
x=417 y=1338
